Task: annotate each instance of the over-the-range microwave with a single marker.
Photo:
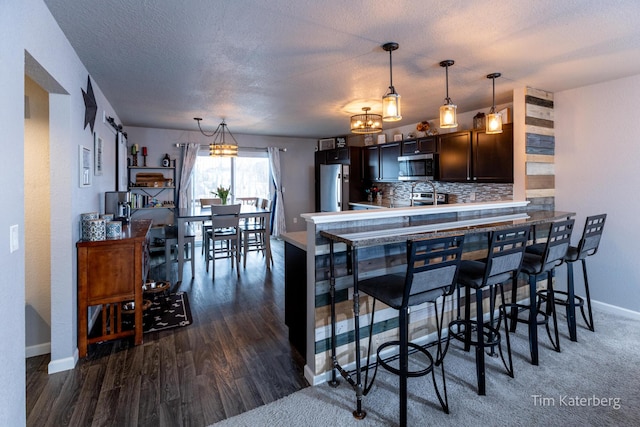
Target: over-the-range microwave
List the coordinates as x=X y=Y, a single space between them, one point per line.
x=418 y=167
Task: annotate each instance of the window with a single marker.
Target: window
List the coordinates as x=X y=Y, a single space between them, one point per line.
x=247 y=175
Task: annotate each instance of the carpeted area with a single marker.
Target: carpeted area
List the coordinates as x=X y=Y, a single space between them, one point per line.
x=591 y=382
x=166 y=312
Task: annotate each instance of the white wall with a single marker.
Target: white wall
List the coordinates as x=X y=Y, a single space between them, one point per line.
x=597 y=152
x=297 y=162
x=33 y=44
x=12 y=363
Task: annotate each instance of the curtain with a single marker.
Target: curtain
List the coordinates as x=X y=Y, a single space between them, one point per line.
x=278 y=218
x=189 y=155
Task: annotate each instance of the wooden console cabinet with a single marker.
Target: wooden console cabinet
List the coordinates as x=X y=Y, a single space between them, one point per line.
x=111 y=272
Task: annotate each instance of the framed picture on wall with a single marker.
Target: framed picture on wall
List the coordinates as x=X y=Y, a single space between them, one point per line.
x=98 y=146
x=84 y=166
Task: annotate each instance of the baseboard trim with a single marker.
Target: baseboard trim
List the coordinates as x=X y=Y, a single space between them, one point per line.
x=63 y=364
x=37 y=350
x=613 y=309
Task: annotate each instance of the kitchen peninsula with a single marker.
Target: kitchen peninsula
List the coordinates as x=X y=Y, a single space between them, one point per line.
x=374 y=240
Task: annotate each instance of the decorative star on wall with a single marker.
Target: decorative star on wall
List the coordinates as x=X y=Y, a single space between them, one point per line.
x=90 y=105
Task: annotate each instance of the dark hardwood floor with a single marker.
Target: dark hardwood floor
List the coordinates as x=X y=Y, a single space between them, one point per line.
x=235 y=356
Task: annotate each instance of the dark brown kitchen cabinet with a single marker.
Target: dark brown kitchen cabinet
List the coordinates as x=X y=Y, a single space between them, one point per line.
x=338 y=156
x=371 y=163
x=474 y=156
x=493 y=156
x=389 y=167
x=380 y=162
x=455 y=156
x=420 y=146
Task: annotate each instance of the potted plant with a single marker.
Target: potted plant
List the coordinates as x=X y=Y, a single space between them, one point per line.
x=223 y=193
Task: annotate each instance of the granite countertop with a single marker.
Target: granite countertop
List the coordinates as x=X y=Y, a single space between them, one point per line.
x=375 y=205
x=426 y=228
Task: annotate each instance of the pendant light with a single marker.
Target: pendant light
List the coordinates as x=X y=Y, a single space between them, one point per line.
x=221 y=145
x=448 y=117
x=494 y=120
x=391 y=101
x=366 y=123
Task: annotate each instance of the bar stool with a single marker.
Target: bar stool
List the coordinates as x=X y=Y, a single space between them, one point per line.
x=432 y=270
x=504 y=258
x=587 y=246
x=535 y=264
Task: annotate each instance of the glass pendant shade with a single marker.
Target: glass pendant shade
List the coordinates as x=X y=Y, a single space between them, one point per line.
x=494 y=120
x=224 y=144
x=366 y=123
x=494 y=123
x=448 y=118
x=391 y=107
x=391 y=101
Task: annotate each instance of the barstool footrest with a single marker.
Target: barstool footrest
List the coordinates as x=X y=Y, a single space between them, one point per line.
x=488 y=332
x=544 y=296
x=410 y=374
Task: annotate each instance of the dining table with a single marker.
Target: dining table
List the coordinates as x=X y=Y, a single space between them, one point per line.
x=203 y=213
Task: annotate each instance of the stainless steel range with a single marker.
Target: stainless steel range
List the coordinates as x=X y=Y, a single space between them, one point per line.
x=426 y=198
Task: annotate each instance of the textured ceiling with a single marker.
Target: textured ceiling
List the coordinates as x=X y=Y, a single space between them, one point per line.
x=302 y=67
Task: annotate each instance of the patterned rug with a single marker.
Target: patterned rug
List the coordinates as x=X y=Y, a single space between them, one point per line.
x=166 y=312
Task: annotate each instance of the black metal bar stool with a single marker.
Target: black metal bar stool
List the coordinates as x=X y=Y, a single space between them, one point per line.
x=502 y=264
x=587 y=246
x=432 y=270
x=534 y=264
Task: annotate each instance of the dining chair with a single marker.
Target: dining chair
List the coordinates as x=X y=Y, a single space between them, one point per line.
x=254 y=234
x=171 y=242
x=206 y=225
x=225 y=226
x=431 y=273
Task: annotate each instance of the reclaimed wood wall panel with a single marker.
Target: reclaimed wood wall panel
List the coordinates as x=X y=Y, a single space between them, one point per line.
x=540 y=149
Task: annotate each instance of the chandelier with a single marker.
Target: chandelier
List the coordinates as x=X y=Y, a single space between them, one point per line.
x=366 y=123
x=222 y=145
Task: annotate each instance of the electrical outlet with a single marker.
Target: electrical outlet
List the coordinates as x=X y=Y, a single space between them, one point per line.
x=472 y=196
x=295 y=219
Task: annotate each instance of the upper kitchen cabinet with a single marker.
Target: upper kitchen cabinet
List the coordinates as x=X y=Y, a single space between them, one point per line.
x=427 y=144
x=493 y=156
x=474 y=156
x=455 y=156
x=380 y=162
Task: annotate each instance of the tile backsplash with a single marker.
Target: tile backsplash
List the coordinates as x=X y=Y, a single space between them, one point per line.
x=458 y=192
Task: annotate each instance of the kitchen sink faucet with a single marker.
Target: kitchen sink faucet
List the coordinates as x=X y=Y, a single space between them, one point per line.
x=433 y=187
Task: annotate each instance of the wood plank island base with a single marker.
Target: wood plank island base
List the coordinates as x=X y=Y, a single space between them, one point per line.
x=372 y=243
x=110 y=273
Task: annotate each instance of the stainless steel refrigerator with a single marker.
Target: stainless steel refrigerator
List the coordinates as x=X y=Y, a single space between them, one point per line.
x=334 y=188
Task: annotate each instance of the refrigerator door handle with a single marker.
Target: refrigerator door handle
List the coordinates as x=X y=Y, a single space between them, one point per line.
x=339 y=191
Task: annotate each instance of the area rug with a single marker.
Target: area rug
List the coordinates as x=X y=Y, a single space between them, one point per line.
x=166 y=312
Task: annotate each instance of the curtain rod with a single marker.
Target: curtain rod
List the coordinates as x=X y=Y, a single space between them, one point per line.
x=178 y=145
